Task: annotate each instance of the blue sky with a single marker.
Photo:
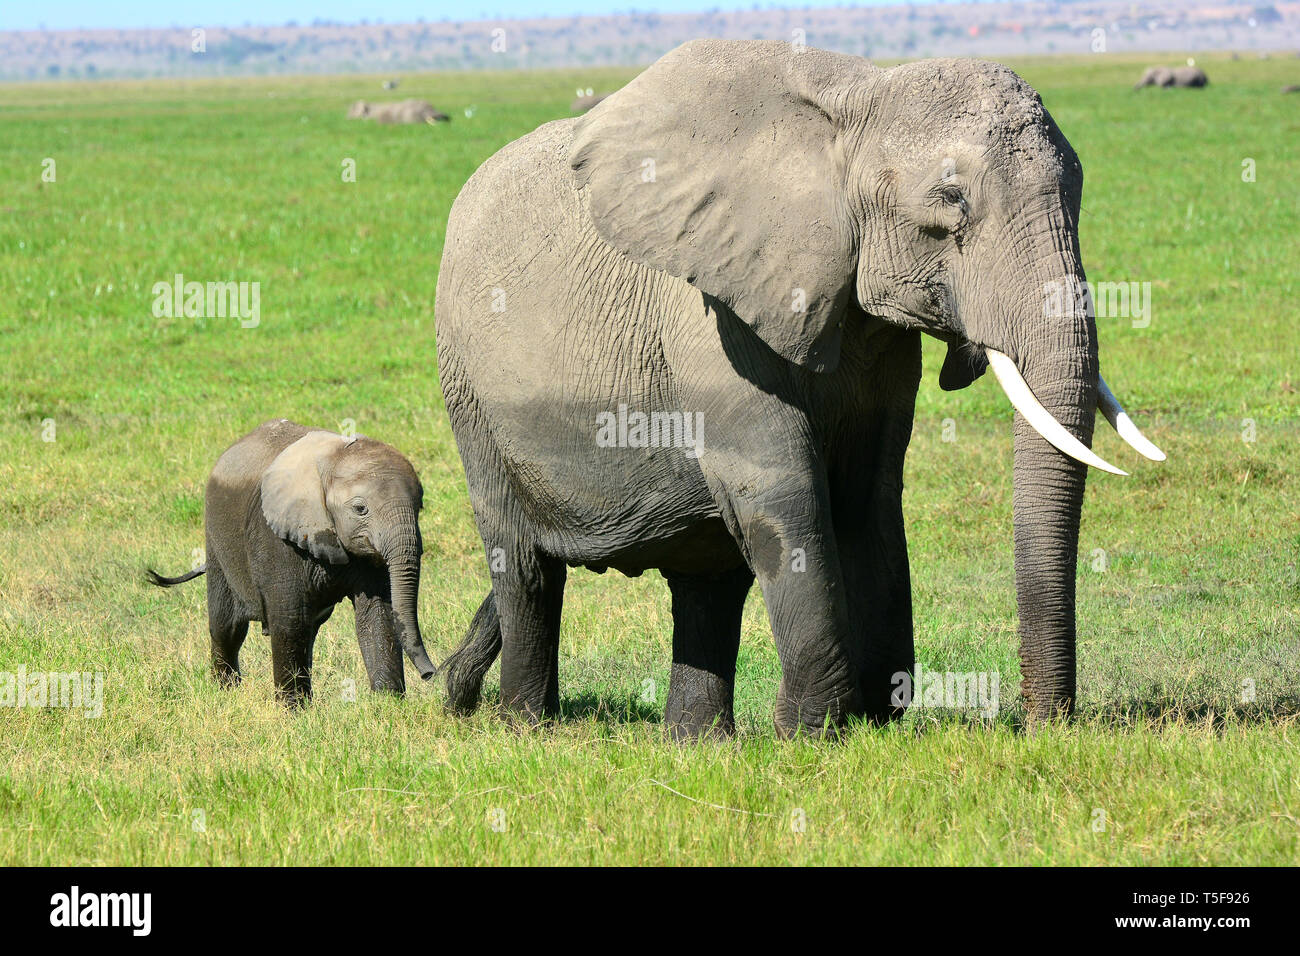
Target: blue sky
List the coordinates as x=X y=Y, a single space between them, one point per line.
x=70 y=14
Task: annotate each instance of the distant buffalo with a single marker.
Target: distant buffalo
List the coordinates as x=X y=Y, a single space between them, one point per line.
x=1178 y=76
x=407 y=111
x=584 y=103
x=1293 y=88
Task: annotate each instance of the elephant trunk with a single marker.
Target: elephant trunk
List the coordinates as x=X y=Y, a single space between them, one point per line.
x=401 y=547
x=1058 y=363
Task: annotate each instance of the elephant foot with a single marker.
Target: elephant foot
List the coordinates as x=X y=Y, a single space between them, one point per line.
x=699 y=704
x=688 y=726
x=226 y=675
x=715 y=731
x=296 y=696
x=880 y=716
x=885 y=695
x=525 y=716
x=816 y=717
x=794 y=730
x=388 y=682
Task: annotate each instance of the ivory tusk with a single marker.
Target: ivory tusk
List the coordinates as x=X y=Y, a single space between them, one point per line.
x=1043 y=422
x=1109 y=406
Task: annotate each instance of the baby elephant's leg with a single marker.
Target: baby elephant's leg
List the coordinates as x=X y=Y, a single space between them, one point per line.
x=227 y=627
x=292 y=637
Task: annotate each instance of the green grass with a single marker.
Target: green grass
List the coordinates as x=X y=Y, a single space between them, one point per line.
x=240 y=179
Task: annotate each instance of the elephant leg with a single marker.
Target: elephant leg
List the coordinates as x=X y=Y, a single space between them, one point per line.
x=706 y=638
x=867 y=503
x=787 y=538
x=292 y=639
x=227 y=627
x=529 y=598
x=377 y=635
x=877 y=582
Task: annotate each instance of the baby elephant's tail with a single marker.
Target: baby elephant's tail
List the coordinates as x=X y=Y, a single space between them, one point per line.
x=467 y=665
x=163 y=582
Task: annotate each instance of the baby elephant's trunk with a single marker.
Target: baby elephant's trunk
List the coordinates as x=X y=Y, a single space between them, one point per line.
x=401 y=553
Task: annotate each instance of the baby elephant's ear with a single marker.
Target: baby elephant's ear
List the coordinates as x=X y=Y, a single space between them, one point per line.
x=293 y=496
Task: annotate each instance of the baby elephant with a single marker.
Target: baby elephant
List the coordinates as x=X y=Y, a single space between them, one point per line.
x=296 y=519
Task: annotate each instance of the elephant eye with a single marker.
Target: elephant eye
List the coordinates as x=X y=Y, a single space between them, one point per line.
x=359 y=507
x=953 y=196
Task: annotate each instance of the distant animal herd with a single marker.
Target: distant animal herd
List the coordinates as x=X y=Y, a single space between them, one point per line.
x=414 y=111
x=1190 y=76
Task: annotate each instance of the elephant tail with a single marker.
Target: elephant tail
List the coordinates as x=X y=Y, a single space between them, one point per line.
x=465 y=668
x=162 y=582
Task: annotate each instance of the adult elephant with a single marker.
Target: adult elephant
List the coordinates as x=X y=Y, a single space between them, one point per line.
x=403 y=113
x=1186 y=76
x=750 y=239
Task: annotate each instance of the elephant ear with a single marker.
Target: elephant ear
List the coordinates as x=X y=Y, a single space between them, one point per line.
x=293 y=496
x=717 y=165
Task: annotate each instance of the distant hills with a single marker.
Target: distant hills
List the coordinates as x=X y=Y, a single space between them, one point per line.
x=889 y=32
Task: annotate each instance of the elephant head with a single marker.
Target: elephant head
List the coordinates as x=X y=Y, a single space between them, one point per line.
x=344 y=498
x=805 y=190
x=359 y=110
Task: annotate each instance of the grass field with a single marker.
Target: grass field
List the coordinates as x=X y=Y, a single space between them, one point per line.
x=1189 y=594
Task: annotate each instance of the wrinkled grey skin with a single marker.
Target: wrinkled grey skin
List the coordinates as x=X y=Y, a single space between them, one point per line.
x=1191 y=76
x=296 y=519
x=402 y=113
x=934 y=197
x=584 y=103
